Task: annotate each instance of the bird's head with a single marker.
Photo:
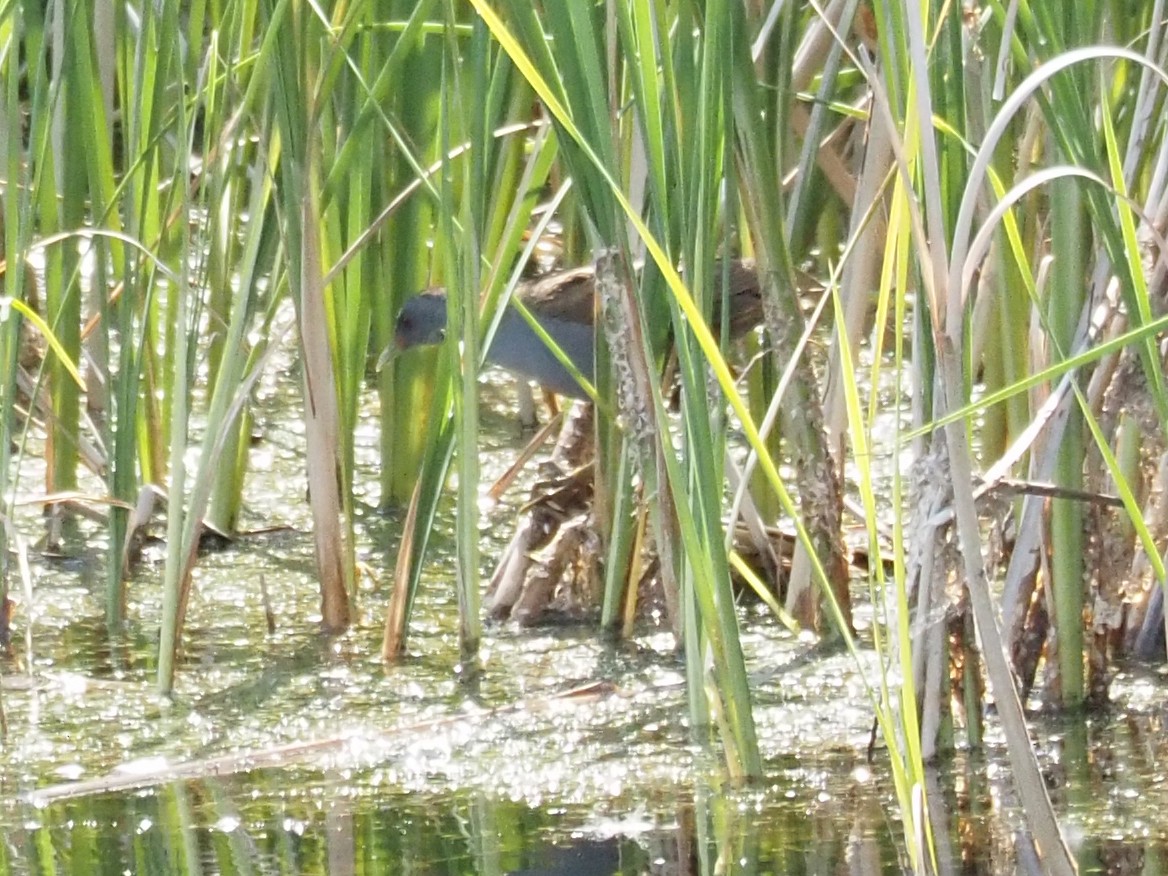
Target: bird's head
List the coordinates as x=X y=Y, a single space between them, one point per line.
x=422 y=321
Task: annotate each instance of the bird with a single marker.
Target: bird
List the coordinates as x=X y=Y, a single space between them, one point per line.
x=563 y=303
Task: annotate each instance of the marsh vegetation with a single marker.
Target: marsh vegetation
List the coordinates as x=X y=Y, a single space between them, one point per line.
x=933 y=453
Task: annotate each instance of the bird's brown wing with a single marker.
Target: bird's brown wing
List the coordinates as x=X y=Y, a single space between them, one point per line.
x=567 y=295
x=746 y=310
x=570 y=295
x=745 y=297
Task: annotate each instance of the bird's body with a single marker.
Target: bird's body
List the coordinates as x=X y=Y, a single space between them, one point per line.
x=564 y=304
x=566 y=317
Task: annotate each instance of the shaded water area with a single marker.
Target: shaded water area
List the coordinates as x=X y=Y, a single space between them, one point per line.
x=285 y=753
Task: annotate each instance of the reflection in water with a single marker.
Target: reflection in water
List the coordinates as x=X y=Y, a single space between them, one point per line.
x=320 y=827
x=579 y=858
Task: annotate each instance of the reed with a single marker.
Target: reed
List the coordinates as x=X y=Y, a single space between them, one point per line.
x=198 y=186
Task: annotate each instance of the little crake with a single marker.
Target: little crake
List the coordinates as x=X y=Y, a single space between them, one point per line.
x=564 y=305
x=561 y=303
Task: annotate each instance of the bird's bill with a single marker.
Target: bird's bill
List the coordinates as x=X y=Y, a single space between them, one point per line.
x=388 y=353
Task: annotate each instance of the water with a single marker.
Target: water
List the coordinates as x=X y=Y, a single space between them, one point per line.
x=285 y=753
